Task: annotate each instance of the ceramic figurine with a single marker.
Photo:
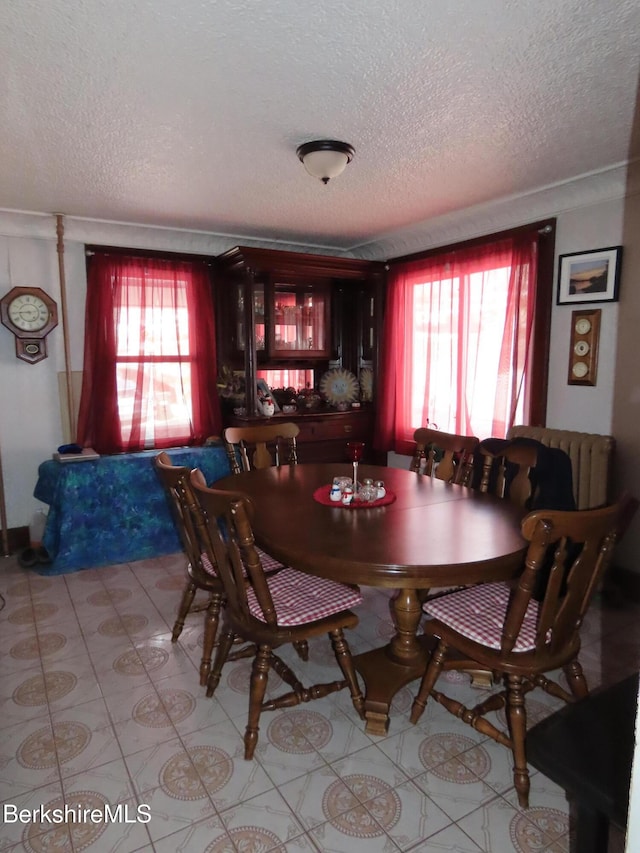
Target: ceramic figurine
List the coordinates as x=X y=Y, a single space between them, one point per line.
x=266 y=406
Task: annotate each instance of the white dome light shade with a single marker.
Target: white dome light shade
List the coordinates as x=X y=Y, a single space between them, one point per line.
x=325 y=158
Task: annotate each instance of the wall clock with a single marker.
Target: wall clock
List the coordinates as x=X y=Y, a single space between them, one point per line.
x=30 y=314
x=583 y=348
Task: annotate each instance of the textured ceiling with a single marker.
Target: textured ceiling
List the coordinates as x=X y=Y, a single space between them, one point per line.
x=188 y=114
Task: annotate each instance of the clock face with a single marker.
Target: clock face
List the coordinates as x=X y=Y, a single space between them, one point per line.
x=581 y=348
x=28 y=312
x=580 y=369
x=583 y=326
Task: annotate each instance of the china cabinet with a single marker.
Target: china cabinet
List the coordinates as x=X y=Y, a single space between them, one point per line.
x=307 y=322
x=290 y=321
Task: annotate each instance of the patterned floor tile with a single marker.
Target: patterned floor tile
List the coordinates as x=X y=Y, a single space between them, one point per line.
x=262 y=821
x=97 y=706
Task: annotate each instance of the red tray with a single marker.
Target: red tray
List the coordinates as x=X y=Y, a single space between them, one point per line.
x=321 y=495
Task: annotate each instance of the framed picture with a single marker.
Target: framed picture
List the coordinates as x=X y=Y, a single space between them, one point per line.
x=589 y=276
x=265 y=391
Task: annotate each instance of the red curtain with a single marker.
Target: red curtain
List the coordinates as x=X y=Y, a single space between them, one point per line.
x=456 y=342
x=150 y=355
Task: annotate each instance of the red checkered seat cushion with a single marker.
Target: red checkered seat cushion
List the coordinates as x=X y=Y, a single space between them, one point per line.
x=269 y=563
x=299 y=598
x=478 y=612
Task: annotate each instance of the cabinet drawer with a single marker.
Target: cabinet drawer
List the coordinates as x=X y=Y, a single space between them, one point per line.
x=324 y=429
x=332 y=428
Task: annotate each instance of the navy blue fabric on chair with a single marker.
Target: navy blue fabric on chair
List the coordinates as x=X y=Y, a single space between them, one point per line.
x=550 y=484
x=551 y=477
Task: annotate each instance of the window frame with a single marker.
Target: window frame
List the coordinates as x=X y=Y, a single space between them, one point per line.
x=538 y=379
x=173 y=359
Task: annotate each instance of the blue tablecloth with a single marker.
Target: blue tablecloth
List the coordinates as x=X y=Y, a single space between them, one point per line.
x=114 y=509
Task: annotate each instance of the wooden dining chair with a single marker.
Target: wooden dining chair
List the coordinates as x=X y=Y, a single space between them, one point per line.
x=447 y=457
x=271 y=610
x=503 y=628
x=506 y=469
x=444 y=455
x=252 y=447
x=201 y=573
x=261 y=446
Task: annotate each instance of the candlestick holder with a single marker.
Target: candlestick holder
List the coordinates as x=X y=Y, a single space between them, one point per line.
x=354 y=451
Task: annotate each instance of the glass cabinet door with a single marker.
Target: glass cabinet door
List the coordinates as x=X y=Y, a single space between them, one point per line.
x=258 y=308
x=366 y=316
x=300 y=322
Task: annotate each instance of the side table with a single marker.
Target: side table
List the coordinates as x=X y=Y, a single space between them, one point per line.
x=587 y=748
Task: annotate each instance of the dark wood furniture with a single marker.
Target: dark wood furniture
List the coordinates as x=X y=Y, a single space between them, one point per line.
x=323 y=433
x=175 y=480
x=448 y=457
x=251 y=446
x=408 y=545
x=290 y=311
x=271 y=610
x=504 y=629
x=454 y=452
x=587 y=748
x=496 y=455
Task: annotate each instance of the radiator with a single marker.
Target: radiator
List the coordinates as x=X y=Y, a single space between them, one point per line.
x=591 y=459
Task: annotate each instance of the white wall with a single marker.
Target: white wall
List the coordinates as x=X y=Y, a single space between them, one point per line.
x=31 y=426
x=594 y=225
x=29 y=409
x=30 y=420
x=30 y=412
x=582 y=407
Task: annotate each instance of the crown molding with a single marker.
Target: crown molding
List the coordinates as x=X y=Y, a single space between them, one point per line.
x=42 y=226
x=616 y=182
x=501 y=214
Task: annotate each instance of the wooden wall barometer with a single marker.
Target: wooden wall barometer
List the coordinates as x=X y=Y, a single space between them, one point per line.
x=583 y=351
x=30 y=314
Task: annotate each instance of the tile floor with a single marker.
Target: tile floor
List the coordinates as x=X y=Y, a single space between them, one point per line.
x=98 y=710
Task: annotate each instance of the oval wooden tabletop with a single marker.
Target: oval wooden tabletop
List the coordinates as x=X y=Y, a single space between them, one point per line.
x=433 y=534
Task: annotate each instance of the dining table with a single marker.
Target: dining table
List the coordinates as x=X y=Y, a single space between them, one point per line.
x=425 y=534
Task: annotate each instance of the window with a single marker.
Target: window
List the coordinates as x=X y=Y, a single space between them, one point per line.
x=459 y=340
x=150 y=366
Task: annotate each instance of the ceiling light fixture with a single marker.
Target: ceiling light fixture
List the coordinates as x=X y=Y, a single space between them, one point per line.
x=325 y=158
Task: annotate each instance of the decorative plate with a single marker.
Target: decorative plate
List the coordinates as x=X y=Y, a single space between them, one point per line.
x=339 y=386
x=366 y=384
